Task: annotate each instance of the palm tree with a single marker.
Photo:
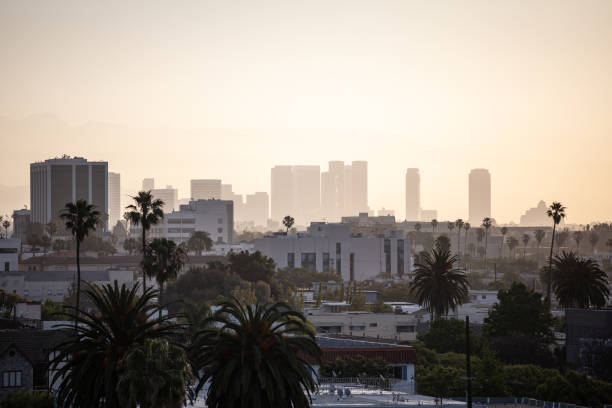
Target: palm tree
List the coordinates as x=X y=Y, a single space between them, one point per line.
x=577 y=235
x=609 y=245
x=6 y=224
x=526 y=238
x=466 y=227
x=512 y=243
x=80 y=219
x=257 y=355
x=438 y=285
x=593 y=240
x=556 y=211
x=288 y=222
x=90 y=362
x=562 y=237
x=486 y=224
x=459 y=225
x=146 y=212
x=579 y=282
x=51 y=228
x=417 y=227
x=163 y=261
x=199 y=241
x=539 y=235
x=504 y=231
x=434 y=224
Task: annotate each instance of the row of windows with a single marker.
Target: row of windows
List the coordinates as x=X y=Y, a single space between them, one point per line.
x=187 y=230
x=11 y=379
x=188 y=220
x=361 y=327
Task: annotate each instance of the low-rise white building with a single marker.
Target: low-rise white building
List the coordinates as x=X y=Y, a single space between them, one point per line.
x=9 y=254
x=332 y=247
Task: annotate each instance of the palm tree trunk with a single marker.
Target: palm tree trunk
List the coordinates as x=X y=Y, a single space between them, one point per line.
x=78 y=292
x=459 y=244
x=144 y=246
x=552 y=244
x=485 y=253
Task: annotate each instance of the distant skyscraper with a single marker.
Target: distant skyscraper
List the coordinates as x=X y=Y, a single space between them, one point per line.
x=359 y=187
x=114 y=199
x=148 y=184
x=169 y=196
x=413 y=195
x=332 y=191
x=204 y=189
x=257 y=208
x=479 y=196
x=227 y=193
x=55 y=182
x=307 y=193
x=281 y=191
x=428 y=215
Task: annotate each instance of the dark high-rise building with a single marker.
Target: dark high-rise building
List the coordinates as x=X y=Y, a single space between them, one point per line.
x=413 y=195
x=479 y=196
x=55 y=182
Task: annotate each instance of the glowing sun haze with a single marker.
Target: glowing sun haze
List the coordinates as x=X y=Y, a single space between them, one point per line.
x=227 y=89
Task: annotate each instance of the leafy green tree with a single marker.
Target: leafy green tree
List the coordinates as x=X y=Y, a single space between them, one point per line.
x=355 y=367
x=147 y=212
x=80 y=219
x=579 y=282
x=51 y=310
x=519 y=326
x=490 y=379
x=288 y=222
x=257 y=356
x=199 y=241
x=303 y=278
x=130 y=245
x=156 y=374
x=448 y=335
x=252 y=267
x=89 y=364
x=163 y=261
x=27 y=399
x=439 y=286
x=557 y=212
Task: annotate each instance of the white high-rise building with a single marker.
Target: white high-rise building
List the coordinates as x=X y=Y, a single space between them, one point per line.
x=168 y=195
x=359 y=187
x=114 y=199
x=307 y=193
x=148 y=184
x=413 y=195
x=344 y=190
x=479 y=196
x=205 y=189
x=55 y=182
x=281 y=191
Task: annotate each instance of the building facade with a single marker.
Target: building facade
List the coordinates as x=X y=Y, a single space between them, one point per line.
x=206 y=189
x=21 y=221
x=148 y=184
x=55 y=182
x=114 y=199
x=479 y=195
x=168 y=195
x=256 y=208
x=413 y=195
x=281 y=192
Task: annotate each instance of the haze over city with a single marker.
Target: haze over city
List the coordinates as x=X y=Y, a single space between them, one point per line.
x=228 y=90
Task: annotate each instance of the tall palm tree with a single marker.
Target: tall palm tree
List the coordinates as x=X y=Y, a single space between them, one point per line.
x=199 y=241
x=504 y=231
x=434 y=224
x=577 y=235
x=89 y=363
x=417 y=227
x=80 y=219
x=526 y=239
x=466 y=227
x=593 y=240
x=6 y=224
x=539 y=235
x=288 y=222
x=579 y=282
x=257 y=356
x=486 y=224
x=146 y=212
x=556 y=211
x=438 y=285
x=163 y=261
x=480 y=234
x=459 y=225
x=512 y=243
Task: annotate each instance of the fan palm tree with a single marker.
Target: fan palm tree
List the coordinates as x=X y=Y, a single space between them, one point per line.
x=434 y=224
x=579 y=282
x=438 y=285
x=199 y=241
x=6 y=224
x=163 y=261
x=146 y=212
x=504 y=231
x=90 y=362
x=459 y=225
x=539 y=236
x=577 y=235
x=512 y=243
x=288 y=222
x=526 y=239
x=466 y=227
x=556 y=211
x=80 y=219
x=417 y=227
x=257 y=356
x=486 y=224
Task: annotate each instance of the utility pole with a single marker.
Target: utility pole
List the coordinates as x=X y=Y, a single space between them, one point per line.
x=468 y=367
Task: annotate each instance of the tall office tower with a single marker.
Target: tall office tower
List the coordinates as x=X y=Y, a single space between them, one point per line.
x=332 y=191
x=307 y=193
x=428 y=215
x=413 y=195
x=227 y=193
x=479 y=196
x=148 y=184
x=257 y=208
x=55 y=182
x=281 y=191
x=359 y=186
x=169 y=196
x=203 y=189
x=114 y=199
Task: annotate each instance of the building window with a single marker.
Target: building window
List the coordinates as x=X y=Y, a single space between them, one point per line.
x=7 y=266
x=356 y=328
x=188 y=220
x=338 y=258
x=11 y=379
x=174 y=220
x=290 y=259
x=219 y=230
x=484 y=296
x=352 y=267
x=309 y=260
x=373 y=325
x=400 y=257
x=405 y=329
x=388 y=255
x=326 y=262
x=219 y=220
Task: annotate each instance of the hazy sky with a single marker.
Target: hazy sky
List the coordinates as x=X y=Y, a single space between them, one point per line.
x=227 y=89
